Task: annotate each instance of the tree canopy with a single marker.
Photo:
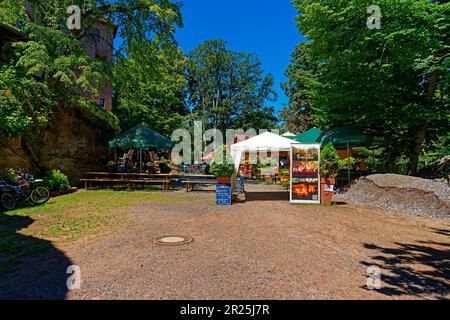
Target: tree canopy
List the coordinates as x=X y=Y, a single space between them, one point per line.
x=55 y=66
x=227 y=89
x=391 y=82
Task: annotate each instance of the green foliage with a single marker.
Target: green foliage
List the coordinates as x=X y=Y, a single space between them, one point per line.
x=52 y=68
x=25 y=104
x=435 y=150
x=329 y=161
x=227 y=89
x=348 y=163
x=57 y=181
x=96 y=114
x=298 y=115
x=222 y=165
x=374 y=158
x=148 y=85
x=223 y=170
x=393 y=82
x=10 y=175
x=165 y=168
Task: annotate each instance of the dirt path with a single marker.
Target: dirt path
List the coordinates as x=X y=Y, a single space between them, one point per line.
x=264 y=250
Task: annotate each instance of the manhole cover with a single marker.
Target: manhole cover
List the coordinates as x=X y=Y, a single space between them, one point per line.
x=173 y=240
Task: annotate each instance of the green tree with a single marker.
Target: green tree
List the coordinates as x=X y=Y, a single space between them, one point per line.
x=148 y=86
x=228 y=89
x=298 y=115
x=55 y=64
x=391 y=82
x=148 y=76
x=50 y=69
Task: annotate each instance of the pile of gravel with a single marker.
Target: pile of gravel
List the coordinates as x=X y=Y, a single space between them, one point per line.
x=402 y=193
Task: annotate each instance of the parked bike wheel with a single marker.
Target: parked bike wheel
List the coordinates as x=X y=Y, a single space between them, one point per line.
x=8 y=201
x=40 y=195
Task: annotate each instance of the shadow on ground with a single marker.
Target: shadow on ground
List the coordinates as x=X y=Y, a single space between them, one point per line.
x=267 y=196
x=413 y=269
x=30 y=268
x=443 y=232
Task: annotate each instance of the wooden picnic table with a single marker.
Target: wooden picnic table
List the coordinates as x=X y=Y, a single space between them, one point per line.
x=129 y=174
x=128 y=178
x=198 y=176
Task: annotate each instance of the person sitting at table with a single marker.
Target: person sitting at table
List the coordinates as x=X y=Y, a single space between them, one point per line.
x=127 y=164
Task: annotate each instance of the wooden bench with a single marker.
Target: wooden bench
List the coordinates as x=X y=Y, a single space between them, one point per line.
x=165 y=183
x=191 y=183
x=130 y=182
x=88 y=182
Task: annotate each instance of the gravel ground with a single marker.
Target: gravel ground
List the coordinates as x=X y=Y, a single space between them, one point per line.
x=410 y=195
x=254 y=250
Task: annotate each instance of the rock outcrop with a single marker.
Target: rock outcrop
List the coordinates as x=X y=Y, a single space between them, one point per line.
x=72 y=144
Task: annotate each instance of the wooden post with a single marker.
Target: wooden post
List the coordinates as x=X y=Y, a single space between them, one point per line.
x=140 y=160
x=348 y=164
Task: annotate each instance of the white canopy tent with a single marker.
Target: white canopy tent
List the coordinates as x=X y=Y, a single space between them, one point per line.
x=267 y=141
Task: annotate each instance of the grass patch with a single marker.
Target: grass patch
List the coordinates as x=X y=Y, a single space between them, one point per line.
x=32 y=231
x=71 y=217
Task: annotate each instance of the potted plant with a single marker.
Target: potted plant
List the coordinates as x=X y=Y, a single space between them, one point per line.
x=329 y=167
x=150 y=167
x=110 y=166
x=165 y=167
x=222 y=167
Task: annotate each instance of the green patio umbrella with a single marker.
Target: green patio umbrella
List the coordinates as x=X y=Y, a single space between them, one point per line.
x=342 y=136
x=345 y=136
x=311 y=136
x=141 y=138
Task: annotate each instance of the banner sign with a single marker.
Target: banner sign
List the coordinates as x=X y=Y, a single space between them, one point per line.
x=223 y=195
x=305 y=173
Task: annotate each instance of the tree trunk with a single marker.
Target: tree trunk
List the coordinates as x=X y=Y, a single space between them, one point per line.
x=414 y=159
x=421 y=132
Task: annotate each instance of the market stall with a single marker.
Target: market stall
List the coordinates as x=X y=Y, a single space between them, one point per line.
x=267 y=142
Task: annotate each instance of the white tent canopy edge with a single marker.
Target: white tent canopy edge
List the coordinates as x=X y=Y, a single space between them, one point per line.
x=266 y=141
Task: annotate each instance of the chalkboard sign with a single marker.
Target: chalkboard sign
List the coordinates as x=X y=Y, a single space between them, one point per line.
x=239 y=187
x=223 y=195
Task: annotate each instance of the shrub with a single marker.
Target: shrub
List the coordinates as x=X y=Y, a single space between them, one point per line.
x=222 y=170
x=11 y=175
x=329 y=162
x=57 y=181
x=222 y=166
x=165 y=168
x=348 y=163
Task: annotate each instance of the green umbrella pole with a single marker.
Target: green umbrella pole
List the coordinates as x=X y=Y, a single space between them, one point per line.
x=140 y=160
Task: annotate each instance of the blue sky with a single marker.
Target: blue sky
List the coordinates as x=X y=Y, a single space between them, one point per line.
x=265 y=27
